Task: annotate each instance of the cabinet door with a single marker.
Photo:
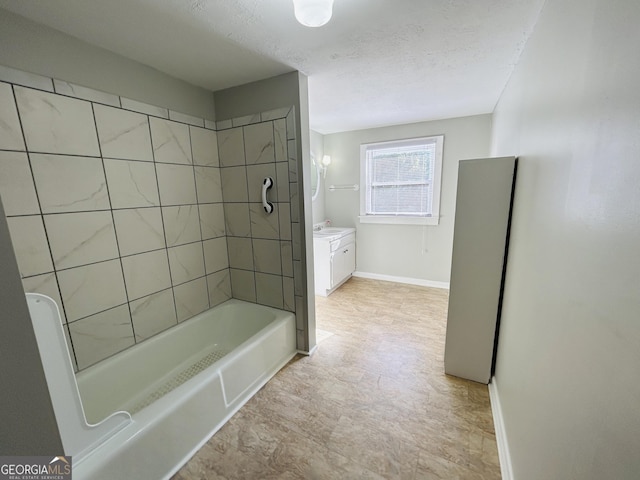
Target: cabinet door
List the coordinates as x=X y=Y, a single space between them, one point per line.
x=343 y=263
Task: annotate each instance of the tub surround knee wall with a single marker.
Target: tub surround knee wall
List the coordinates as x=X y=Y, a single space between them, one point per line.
x=115 y=209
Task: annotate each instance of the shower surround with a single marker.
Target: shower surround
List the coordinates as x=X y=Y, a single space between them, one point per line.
x=134 y=218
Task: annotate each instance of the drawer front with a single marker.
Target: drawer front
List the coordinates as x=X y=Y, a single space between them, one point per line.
x=341 y=242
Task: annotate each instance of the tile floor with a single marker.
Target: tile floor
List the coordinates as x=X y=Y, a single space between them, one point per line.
x=372 y=402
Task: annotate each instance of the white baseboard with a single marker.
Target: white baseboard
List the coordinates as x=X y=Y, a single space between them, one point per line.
x=407 y=280
x=501 y=434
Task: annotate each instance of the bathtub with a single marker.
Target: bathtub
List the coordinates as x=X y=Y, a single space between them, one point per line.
x=175 y=390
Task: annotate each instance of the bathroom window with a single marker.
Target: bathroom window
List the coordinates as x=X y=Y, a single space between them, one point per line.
x=401 y=181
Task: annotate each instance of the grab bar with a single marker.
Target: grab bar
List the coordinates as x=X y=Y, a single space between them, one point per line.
x=267 y=183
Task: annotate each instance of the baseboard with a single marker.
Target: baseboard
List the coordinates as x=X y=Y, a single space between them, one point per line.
x=501 y=434
x=407 y=280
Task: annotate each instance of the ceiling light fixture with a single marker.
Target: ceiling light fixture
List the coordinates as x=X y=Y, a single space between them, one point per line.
x=313 y=13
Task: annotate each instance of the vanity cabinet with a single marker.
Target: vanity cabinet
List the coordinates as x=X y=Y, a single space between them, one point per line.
x=335 y=261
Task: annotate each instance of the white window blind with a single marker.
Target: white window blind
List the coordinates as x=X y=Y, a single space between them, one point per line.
x=402 y=178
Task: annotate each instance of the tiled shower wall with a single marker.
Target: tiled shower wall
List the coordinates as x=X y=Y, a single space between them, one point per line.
x=115 y=209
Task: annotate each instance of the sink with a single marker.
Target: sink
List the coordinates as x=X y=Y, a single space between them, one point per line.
x=333 y=232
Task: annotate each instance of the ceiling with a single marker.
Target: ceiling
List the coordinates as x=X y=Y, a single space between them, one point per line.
x=376 y=63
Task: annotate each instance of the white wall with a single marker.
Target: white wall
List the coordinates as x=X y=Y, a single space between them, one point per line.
x=35 y=48
x=410 y=251
x=317 y=148
x=569 y=352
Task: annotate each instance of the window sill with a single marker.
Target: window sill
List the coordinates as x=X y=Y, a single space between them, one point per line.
x=398 y=220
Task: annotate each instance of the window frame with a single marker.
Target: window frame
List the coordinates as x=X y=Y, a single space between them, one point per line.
x=434 y=218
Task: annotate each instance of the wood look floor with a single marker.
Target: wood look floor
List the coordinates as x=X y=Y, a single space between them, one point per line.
x=372 y=402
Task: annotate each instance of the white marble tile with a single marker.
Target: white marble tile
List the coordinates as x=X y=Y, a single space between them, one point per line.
x=184 y=118
x=295 y=205
x=282 y=182
x=181 y=224
x=56 y=124
x=204 y=146
x=295 y=241
x=67 y=337
x=219 y=287
x=266 y=256
x=153 y=314
x=19 y=77
x=102 y=335
x=45 y=284
x=139 y=230
x=284 y=219
x=209 y=124
x=234 y=184
x=292 y=155
x=92 y=288
x=208 y=184
x=280 y=140
x=277 y=113
x=146 y=273
x=123 y=134
x=231 y=147
x=186 y=262
x=243 y=285
x=212 y=223
x=246 y=120
x=177 y=184
x=259 y=144
x=215 y=254
x=131 y=184
x=145 y=108
x=240 y=253
x=297 y=277
x=191 y=298
x=30 y=245
x=291 y=124
x=69 y=184
x=286 y=254
x=264 y=225
x=289 y=302
x=16 y=184
x=72 y=90
x=237 y=219
x=81 y=238
x=171 y=142
x=255 y=178
x=224 y=124
x=10 y=131
x=269 y=290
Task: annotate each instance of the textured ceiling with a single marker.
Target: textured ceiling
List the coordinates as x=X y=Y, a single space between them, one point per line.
x=377 y=62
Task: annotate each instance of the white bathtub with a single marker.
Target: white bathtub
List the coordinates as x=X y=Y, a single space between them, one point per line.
x=205 y=369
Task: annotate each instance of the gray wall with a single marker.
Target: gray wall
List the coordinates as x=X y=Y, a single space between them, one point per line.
x=569 y=352
x=317 y=147
x=28 y=422
x=412 y=251
x=35 y=48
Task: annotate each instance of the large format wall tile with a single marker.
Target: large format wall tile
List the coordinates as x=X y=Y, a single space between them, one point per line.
x=30 y=245
x=181 y=224
x=186 y=262
x=146 y=273
x=191 y=298
x=100 y=336
x=45 y=284
x=92 y=288
x=212 y=222
x=269 y=290
x=70 y=184
x=240 y=253
x=139 y=230
x=124 y=135
x=208 y=184
x=231 y=147
x=258 y=143
x=170 y=141
x=16 y=184
x=131 y=184
x=215 y=254
x=81 y=238
x=204 y=146
x=219 y=285
x=153 y=314
x=234 y=184
x=280 y=140
x=243 y=285
x=177 y=184
x=57 y=124
x=266 y=256
x=237 y=219
x=264 y=225
x=10 y=132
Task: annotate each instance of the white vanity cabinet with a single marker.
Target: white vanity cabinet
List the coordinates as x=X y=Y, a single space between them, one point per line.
x=334 y=259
